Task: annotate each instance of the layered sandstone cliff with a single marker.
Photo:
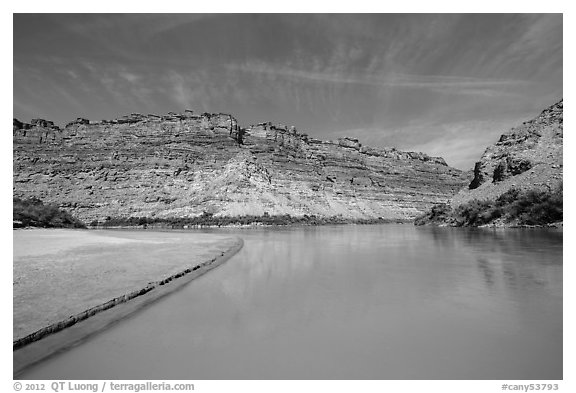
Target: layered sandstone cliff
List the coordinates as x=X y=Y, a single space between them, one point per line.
x=184 y=165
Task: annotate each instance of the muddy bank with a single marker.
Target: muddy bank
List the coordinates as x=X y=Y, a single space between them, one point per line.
x=60 y=273
x=65 y=333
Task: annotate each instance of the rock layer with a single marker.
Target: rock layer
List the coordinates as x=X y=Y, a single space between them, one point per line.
x=528 y=157
x=182 y=165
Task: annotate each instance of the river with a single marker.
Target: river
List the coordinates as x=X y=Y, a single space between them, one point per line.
x=348 y=302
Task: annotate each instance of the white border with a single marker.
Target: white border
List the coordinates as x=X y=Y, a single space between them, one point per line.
x=301 y=6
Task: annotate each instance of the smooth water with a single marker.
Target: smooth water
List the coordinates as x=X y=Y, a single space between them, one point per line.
x=348 y=302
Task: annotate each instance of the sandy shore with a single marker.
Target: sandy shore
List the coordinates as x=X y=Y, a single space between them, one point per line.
x=69 y=284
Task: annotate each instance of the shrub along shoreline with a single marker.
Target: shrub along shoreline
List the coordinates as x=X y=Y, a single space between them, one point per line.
x=34 y=213
x=209 y=220
x=513 y=208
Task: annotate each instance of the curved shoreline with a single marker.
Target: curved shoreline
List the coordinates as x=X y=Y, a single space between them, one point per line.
x=58 y=336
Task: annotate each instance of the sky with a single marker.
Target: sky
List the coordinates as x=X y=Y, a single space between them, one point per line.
x=444 y=84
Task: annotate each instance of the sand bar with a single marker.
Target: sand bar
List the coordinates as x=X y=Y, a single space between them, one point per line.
x=60 y=274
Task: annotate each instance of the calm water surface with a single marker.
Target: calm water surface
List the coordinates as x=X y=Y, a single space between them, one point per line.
x=348 y=302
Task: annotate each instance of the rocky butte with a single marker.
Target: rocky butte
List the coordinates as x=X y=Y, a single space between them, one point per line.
x=186 y=165
x=526 y=157
x=518 y=180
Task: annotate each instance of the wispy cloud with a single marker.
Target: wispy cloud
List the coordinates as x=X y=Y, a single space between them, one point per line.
x=199 y=89
x=542 y=33
x=440 y=83
x=129 y=76
x=182 y=94
x=460 y=143
x=124 y=35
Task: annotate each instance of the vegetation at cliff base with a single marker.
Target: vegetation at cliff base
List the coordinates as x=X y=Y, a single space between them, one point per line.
x=34 y=213
x=516 y=207
x=210 y=220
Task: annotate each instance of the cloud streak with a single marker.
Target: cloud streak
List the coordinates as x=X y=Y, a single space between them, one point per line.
x=440 y=83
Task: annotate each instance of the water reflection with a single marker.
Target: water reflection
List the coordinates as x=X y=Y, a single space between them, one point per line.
x=347 y=302
x=516 y=257
x=521 y=269
x=485 y=267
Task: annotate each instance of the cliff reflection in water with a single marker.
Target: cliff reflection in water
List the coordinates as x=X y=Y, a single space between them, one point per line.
x=516 y=257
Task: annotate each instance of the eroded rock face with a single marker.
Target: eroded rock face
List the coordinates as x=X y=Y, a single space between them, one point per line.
x=526 y=157
x=182 y=165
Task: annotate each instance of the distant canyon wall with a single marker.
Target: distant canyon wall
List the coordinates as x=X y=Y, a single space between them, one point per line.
x=183 y=165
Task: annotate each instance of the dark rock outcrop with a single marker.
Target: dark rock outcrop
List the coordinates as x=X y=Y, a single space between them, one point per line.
x=183 y=165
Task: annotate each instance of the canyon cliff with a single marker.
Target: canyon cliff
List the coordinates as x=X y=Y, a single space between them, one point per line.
x=527 y=157
x=186 y=165
x=518 y=180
